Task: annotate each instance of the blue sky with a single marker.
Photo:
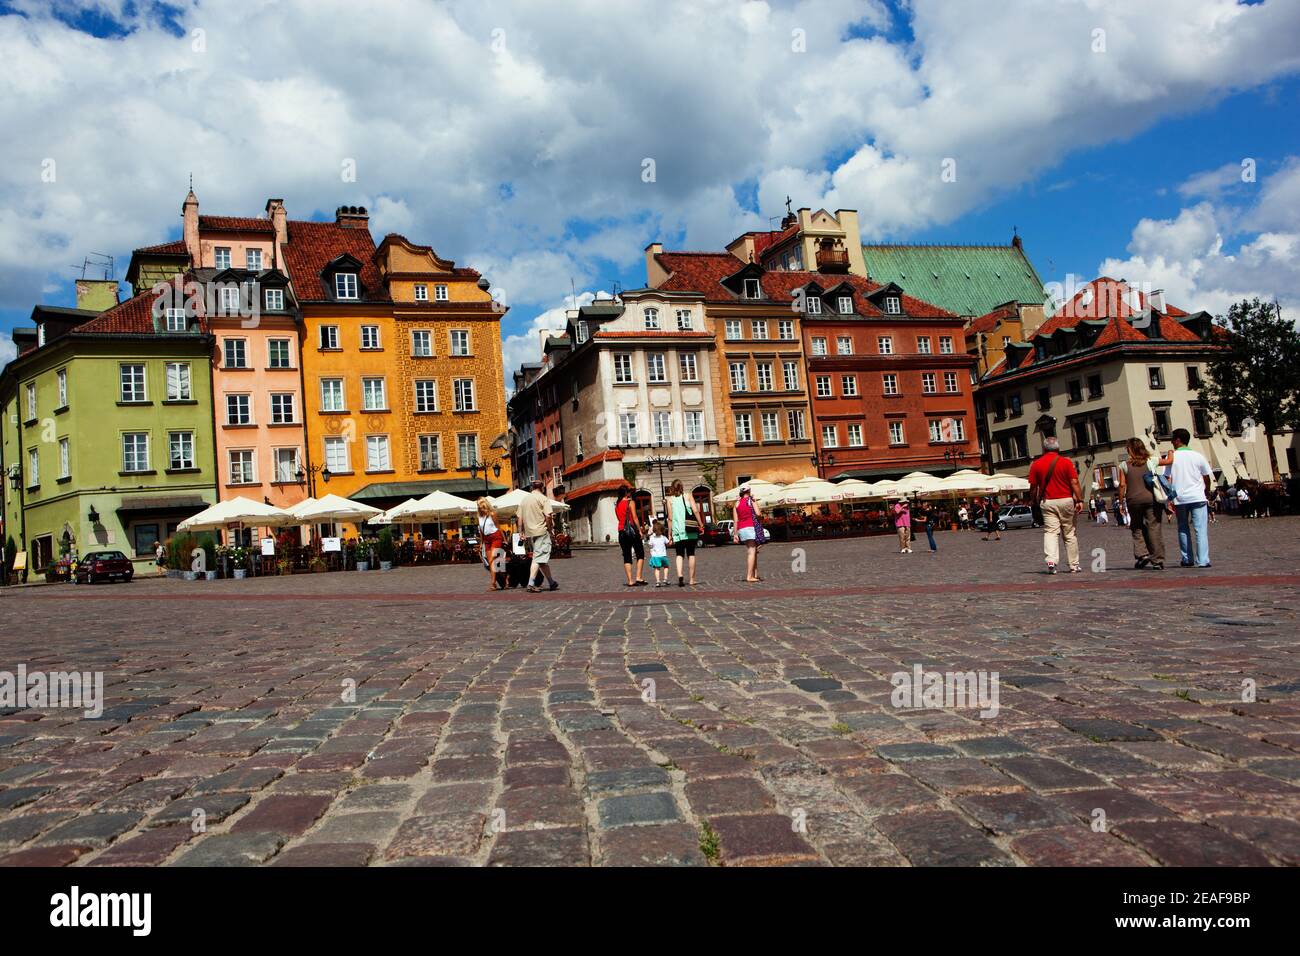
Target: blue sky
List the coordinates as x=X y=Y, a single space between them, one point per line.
x=513 y=139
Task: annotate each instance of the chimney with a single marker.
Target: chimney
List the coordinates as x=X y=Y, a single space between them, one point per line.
x=1157 y=300
x=655 y=274
x=848 y=220
x=352 y=217
x=279 y=219
x=96 y=295
x=190 y=217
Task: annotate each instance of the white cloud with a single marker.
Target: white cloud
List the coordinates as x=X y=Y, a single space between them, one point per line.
x=8 y=351
x=526 y=346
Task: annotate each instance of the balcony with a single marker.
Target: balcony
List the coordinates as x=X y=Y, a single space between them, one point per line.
x=832 y=260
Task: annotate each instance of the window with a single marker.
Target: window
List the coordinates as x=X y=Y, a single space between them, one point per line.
x=923 y=344
x=1155 y=376
x=891 y=383
x=812 y=305
x=1080 y=430
x=1006 y=340
x=1094 y=386
x=180 y=450
x=583 y=331
x=845 y=305
x=622 y=368
x=656 y=368
x=31 y=398
x=758 y=329
x=65 y=466
x=744 y=427
x=999 y=408
x=331 y=395
x=467 y=450
x=460 y=342
x=253 y=259
x=33 y=468
x=830 y=436
x=40 y=335
x=765 y=380
x=1200 y=421
x=794 y=423
x=892 y=305
x=462 y=393
x=278 y=354
x=627 y=430
x=739 y=377
x=221 y=256
x=663 y=427
x=274 y=300
x=771 y=424
x=1193 y=377
x=336 y=454
x=885 y=344
x=63 y=387
x=329 y=336
x=377 y=453
x=1014 y=401
x=945 y=345
x=950 y=382
x=844 y=345
x=823 y=386
x=790 y=376
x=936 y=430
x=694 y=426
x=421 y=292
x=135 y=451
x=238 y=410
x=733 y=329
x=176 y=320
x=345 y=285
x=421 y=343
x=228 y=300
x=684 y=320
x=855 y=436
x=132 y=379
x=282 y=408
x=1074 y=388
x=440 y=295
x=426 y=395
x=896 y=433
x=1044 y=398
x=848 y=385
x=785 y=329
x=927 y=383
x=752 y=289
x=370 y=336
x=178 y=382
x=819 y=345
x=430 y=453
x=652 y=319
x=1101 y=430
x=236 y=353
x=686 y=365
x=286 y=464
x=372 y=395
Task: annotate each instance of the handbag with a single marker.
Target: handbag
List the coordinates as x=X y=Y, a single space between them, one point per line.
x=1159 y=486
x=760 y=533
x=691 y=524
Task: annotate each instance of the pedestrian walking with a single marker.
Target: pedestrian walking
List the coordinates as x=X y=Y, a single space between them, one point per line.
x=685 y=519
x=963 y=517
x=490 y=543
x=903 y=525
x=991 y=520
x=1145 y=500
x=749 y=531
x=1103 y=517
x=658 y=542
x=1191 y=477
x=1054 y=486
x=630 y=533
x=924 y=516
x=160 y=558
x=537 y=521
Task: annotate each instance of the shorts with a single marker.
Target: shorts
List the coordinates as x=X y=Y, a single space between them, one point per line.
x=541 y=549
x=746 y=534
x=659 y=561
x=685 y=548
x=631 y=544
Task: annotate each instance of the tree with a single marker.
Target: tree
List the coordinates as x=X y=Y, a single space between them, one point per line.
x=1256 y=377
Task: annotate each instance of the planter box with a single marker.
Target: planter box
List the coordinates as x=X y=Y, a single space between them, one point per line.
x=190 y=575
x=240 y=574
x=363 y=565
x=210 y=575
x=385 y=565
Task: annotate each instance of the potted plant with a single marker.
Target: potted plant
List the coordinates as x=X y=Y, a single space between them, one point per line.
x=239 y=562
x=317 y=563
x=386 y=550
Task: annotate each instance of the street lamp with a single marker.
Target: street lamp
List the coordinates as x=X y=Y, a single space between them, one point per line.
x=93 y=516
x=308 y=477
x=660 y=462
x=824 y=459
x=15 y=475
x=481 y=466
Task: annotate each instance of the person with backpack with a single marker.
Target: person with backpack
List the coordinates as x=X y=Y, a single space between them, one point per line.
x=1142 y=494
x=1054 y=486
x=749 y=530
x=685 y=519
x=630 y=534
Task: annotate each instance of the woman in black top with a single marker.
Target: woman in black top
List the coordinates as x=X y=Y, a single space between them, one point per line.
x=991 y=520
x=925 y=516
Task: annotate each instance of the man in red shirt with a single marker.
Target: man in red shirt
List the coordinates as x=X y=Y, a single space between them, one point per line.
x=1054 y=486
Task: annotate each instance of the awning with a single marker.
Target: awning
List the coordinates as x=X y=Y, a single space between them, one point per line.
x=163 y=505
x=875 y=474
x=401 y=490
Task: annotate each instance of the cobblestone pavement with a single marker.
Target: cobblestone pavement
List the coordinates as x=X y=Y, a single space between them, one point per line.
x=726 y=724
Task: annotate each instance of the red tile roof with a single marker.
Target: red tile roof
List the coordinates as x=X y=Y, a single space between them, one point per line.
x=313 y=245
x=176 y=248
x=703 y=272
x=766 y=240
x=650 y=333
x=235 y=224
x=595 y=487
x=613 y=454
x=133 y=317
x=987 y=323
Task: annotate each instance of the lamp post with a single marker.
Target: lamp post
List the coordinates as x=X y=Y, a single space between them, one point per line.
x=308 y=477
x=482 y=466
x=822 y=459
x=15 y=476
x=660 y=462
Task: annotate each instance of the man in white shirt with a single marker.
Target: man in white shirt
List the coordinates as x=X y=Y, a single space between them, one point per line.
x=1191 y=476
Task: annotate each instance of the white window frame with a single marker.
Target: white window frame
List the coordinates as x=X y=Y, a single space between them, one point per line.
x=732 y=330
x=440 y=292
x=421 y=291
x=945 y=345
x=273 y=300
x=422 y=343
x=950 y=383
x=738 y=376
x=335 y=449
x=897 y=433
x=656 y=365
x=830 y=436
x=426 y=399
x=277 y=414
x=62 y=376
x=765 y=376
x=843 y=345
x=790 y=376
x=145 y=445
x=329 y=338
x=772 y=419
x=854 y=435
x=236 y=348
x=890 y=383
x=849 y=386
x=379 y=456
x=688 y=366
x=253 y=259
x=184 y=462
x=461 y=446
x=818 y=345
x=367 y=390
x=371 y=340
x=176 y=320
x=651 y=317
x=794 y=424
x=271 y=354
x=885 y=344
x=221 y=257
x=247 y=406
x=758 y=330
x=785 y=329
x=461 y=388
x=185 y=386
x=458 y=340
x=845 y=305
x=823 y=386
x=65 y=458
x=345 y=285
x=744 y=422
x=685 y=320
x=893 y=305
x=131 y=396
x=693 y=422
x=327 y=393
x=627 y=429
x=623 y=374
x=923 y=345
x=423 y=442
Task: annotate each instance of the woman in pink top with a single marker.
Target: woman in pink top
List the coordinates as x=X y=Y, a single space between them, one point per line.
x=903 y=522
x=747 y=513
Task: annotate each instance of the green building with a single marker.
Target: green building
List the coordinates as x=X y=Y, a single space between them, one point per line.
x=107 y=432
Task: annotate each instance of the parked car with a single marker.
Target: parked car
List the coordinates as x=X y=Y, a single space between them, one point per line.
x=719 y=533
x=97 y=566
x=1011 y=516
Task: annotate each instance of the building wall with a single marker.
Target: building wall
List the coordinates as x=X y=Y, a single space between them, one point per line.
x=238 y=244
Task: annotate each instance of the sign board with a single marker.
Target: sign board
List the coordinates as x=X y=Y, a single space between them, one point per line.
x=268 y=547
x=235 y=526
x=330 y=544
x=20 y=561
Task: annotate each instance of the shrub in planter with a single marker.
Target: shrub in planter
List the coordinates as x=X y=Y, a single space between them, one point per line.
x=386 y=549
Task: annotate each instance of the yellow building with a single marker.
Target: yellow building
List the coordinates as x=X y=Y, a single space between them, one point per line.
x=401 y=352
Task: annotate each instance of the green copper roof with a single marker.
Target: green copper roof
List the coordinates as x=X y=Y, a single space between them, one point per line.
x=968 y=280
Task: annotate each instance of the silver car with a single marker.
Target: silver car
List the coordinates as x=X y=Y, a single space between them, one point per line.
x=1011 y=516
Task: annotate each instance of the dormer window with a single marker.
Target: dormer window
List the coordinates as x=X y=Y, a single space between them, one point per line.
x=275 y=300
x=583 y=333
x=845 y=305
x=752 y=289
x=892 y=305
x=345 y=285
x=652 y=319
x=175 y=320
x=812 y=305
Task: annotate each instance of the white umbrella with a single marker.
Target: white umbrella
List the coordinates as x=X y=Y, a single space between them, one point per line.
x=805 y=491
x=917 y=483
x=334 y=508
x=396 y=514
x=508 y=504
x=437 y=505
x=298 y=506
x=1005 y=482
x=236 y=511
x=757 y=485
x=855 y=489
x=965 y=483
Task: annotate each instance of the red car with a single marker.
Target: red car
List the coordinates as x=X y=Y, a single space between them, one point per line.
x=103 y=566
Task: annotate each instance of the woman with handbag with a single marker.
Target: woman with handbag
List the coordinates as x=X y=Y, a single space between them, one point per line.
x=490 y=544
x=684 y=523
x=749 y=530
x=1141 y=490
